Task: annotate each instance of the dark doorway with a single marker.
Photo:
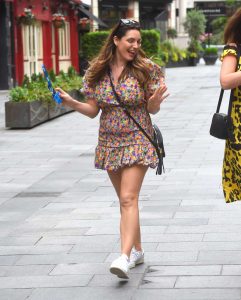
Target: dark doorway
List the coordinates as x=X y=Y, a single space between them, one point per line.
x=6 y=46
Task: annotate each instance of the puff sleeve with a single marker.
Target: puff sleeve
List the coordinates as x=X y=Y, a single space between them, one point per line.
x=229 y=50
x=89 y=92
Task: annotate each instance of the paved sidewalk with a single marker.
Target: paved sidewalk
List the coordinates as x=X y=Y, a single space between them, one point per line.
x=59 y=216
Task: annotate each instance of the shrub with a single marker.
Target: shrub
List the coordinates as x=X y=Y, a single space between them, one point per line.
x=150 y=42
x=93 y=41
x=171 y=33
x=19 y=94
x=36 y=88
x=211 y=50
x=168 y=51
x=218 y=26
x=158 y=60
x=192 y=54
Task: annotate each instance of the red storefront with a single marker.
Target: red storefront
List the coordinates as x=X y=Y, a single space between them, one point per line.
x=41 y=41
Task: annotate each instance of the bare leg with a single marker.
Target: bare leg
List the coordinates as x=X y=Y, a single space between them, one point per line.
x=115 y=178
x=127 y=183
x=131 y=181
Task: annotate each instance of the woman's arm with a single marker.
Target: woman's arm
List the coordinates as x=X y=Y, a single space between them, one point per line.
x=229 y=78
x=89 y=108
x=154 y=102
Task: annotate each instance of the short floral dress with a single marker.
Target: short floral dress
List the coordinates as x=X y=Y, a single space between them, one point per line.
x=120 y=141
x=232 y=154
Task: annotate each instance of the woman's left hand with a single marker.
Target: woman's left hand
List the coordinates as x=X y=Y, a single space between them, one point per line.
x=159 y=94
x=156 y=99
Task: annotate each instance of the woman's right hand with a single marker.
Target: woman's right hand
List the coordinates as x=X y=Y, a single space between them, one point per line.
x=66 y=98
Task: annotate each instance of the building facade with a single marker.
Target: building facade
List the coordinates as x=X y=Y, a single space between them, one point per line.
x=178 y=11
x=150 y=13
x=30 y=37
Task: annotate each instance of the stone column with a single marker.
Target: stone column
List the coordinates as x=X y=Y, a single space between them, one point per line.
x=182 y=15
x=172 y=15
x=136 y=11
x=95 y=11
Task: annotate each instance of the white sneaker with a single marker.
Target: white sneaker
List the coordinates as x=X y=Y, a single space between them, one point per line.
x=136 y=258
x=120 y=266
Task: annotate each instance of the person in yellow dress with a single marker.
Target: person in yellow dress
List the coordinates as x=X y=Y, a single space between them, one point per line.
x=230 y=78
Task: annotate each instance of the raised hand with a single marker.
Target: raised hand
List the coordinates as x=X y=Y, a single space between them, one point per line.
x=159 y=94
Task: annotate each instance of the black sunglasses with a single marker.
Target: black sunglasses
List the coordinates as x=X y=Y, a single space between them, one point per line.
x=129 y=22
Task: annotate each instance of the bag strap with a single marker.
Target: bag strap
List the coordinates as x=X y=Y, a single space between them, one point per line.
x=220 y=100
x=232 y=91
x=132 y=118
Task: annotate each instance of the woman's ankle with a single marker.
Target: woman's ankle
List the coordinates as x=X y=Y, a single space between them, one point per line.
x=125 y=255
x=138 y=247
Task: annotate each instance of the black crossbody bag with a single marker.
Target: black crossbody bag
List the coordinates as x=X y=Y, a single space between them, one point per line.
x=157 y=142
x=222 y=125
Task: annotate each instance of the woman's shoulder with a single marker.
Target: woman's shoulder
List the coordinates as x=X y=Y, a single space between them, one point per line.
x=152 y=66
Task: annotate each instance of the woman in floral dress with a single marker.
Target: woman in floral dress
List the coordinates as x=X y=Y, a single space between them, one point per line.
x=122 y=148
x=230 y=78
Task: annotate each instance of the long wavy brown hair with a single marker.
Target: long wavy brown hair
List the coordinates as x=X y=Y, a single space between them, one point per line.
x=232 y=31
x=99 y=65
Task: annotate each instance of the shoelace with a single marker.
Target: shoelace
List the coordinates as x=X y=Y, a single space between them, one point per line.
x=135 y=254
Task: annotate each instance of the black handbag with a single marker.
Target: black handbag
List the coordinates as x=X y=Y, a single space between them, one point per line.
x=158 y=140
x=221 y=125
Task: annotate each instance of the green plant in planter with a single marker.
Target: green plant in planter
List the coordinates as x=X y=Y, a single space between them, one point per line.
x=158 y=60
x=170 y=52
x=210 y=55
x=19 y=94
x=211 y=51
x=52 y=76
x=192 y=55
x=26 y=17
x=36 y=88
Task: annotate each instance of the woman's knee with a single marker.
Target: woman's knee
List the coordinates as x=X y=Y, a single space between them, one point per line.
x=128 y=200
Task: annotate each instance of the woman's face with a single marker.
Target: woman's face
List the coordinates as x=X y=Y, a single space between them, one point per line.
x=128 y=46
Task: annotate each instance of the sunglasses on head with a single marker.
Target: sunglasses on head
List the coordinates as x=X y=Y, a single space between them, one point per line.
x=129 y=22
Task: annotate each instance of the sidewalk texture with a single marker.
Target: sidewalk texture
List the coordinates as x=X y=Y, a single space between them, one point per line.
x=59 y=217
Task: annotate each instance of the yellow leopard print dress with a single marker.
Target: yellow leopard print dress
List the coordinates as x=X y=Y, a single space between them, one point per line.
x=231 y=176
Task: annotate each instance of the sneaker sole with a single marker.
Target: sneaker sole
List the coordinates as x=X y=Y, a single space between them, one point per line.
x=118 y=272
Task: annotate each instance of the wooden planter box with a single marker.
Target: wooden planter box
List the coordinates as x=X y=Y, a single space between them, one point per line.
x=25 y=114
x=30 y=114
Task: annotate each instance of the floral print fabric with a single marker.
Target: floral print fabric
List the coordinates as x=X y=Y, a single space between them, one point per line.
x=232 y=155
x=120 y=142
